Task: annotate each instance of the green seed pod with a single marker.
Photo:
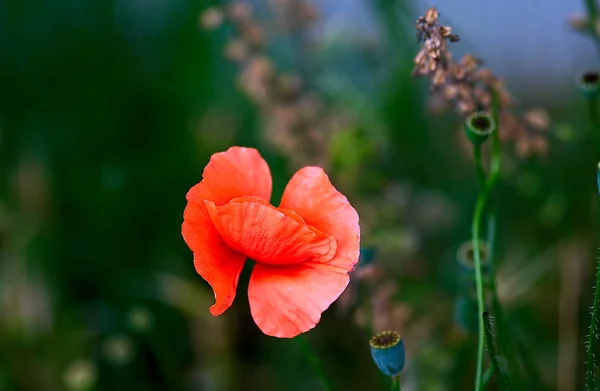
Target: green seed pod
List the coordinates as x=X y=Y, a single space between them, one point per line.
x=387 y=350
x=589 y=82
x=466 y=257
x=479 y=126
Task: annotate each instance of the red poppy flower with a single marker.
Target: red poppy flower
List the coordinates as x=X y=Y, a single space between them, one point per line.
x=303 y=249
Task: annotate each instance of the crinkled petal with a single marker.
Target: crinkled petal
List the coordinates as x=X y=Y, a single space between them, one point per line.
x=216 y=262
x=236 y=172
x=269 y=235
x=310 y=194
x=288 y=301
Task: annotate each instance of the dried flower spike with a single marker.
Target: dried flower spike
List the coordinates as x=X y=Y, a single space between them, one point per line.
x=387 y=350
x=468 y=87
x=211 y=18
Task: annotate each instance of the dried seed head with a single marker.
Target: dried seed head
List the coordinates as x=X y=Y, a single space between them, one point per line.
x=537 y=119
x=211 y=18
x=450 y=91
x=469 y=63
x=420 y=58
x=253 y=34
x=578 y=22
x=466 y=107
x=482 y=96
x=288 y=87
x=239 y=12
x=236 y=50
x=439 y=78
x=445 y=31
x=431 y=16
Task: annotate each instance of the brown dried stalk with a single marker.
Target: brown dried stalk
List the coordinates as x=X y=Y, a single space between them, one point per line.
x=295 y=120
x=469 y=86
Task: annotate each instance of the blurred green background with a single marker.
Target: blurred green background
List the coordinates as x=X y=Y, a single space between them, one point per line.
x=110 y=110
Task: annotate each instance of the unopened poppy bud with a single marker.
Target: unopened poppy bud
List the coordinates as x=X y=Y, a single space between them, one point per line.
x=589 y=82
x=466 y=257
x=387 y=350
x=479 y=126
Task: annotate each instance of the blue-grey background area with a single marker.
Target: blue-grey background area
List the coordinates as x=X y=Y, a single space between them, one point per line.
x=529 y=43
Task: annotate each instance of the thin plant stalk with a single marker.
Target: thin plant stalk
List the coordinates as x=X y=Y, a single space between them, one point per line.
x=396 y=385
x=503 y=327
x=487 y=376
x=314 y=362
x=479 y=166
x=479 y=287
x=503 y=383
x=482 y=198
x=593 y=333
x=592 y=14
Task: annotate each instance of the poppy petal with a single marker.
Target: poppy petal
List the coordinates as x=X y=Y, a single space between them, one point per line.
x=218 y=264
x=253 y=227
x=310 y=194
x=288 y=301
x=235 y=173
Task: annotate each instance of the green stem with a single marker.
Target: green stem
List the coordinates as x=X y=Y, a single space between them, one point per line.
x=487 y=375
x=503 y=383
x=479 y=287
x=593 y=112
x=479 y=166
x=505 y=337
x=475 y=228
x=396 y=385
x=592 y=10
x=590 y=375
x=315 y=362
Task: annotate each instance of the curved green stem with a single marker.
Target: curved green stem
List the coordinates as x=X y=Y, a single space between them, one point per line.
x=475 y=228
x=590 y=364
x=314 y=361
x=479 y=287
x=396 y=385
x=479 y=166
x=592 y=9
x=487 y=375
x=593 y=112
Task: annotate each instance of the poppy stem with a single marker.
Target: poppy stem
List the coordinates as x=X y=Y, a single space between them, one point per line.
x=482 y=199
x=396 y=385
x=503 y=382
x=315 y=362
x=593 y=334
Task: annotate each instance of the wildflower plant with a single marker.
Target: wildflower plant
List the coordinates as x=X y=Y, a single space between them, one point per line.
x=303 y=250
x=482 y=100
x=250 y=151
